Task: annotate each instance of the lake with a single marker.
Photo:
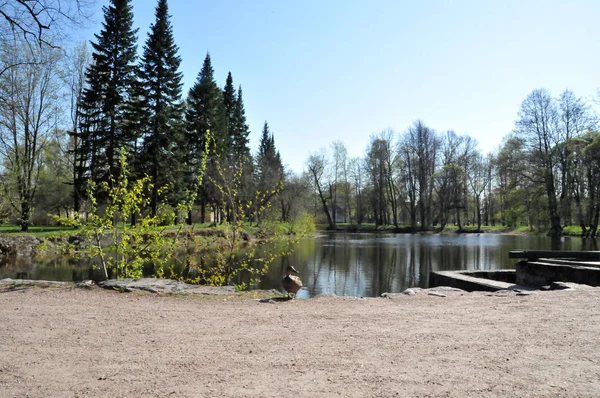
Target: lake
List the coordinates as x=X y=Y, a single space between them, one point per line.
x=350 y=264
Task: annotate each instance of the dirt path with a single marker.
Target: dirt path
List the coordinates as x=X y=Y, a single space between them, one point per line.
x=77 y=342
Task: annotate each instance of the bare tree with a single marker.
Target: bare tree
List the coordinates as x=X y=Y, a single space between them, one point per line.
x=341 y=188
x=478 y=177
x=575 y=119
x=382 y=161
x=316 y=167
x=419 y=155
x=75 y=66
x=33 y=20
x=29 y=108
x=538 y=125
x=356 y=174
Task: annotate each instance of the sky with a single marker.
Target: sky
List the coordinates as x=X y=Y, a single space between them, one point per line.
x=325 y=70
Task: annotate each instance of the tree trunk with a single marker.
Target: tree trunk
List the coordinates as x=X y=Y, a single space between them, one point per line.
x=477 y=200
x=555 y=227
x=25 y=215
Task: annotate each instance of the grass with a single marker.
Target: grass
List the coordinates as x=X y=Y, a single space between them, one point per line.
x=37 y=230
x=57 y=230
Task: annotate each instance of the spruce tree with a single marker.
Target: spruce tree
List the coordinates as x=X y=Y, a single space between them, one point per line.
x=111 y=79
x=229 y=102
x=205 y=112
x=241 y=131
x=160 y=103
x=269 y=168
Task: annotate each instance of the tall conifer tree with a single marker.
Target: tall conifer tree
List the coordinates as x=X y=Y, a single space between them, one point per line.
x=240 y=140
x=237 y=128
x=160 y=82
x=111 y=79
x=205 y=112
x=229 y=102
x=269 y=168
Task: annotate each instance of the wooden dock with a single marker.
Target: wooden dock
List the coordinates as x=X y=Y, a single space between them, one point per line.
x=545 y=269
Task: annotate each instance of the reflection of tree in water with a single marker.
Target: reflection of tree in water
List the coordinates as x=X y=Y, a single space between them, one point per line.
x=390 y=273
x=424 y=265
x=53 y=268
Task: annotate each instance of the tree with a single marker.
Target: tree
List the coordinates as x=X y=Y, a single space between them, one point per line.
x=448 y=180
x=31 y=21
x=239 y=137
x=230 y=104
x=341 y=181
x=161 y=103
x=29 y=95
x=110 y=90
x=515 y=183
x=269 y=169
x=420 y=146
x=75 y=66
x=237 y=134
x=316 y=167
x=381 y=161
x=205 y=113
x=52 y=194
x=575 y=118
x=355 y=167
x=592 y=164
x=477 y=175
x=538 y=125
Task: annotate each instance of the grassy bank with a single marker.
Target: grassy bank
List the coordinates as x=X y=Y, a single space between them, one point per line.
x=571 y=230
x=46 y=231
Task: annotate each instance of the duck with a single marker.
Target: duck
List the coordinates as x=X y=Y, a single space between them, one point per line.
x=291 y=283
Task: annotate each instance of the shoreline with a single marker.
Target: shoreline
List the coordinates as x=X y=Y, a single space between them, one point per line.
x=433 y=231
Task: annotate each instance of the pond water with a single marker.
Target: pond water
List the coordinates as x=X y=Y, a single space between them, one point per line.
x=349 y=264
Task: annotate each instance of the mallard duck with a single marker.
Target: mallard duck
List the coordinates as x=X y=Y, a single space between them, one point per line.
x=291 y=283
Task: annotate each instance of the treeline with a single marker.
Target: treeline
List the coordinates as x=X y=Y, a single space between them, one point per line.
x=66 y=115
x=545 y=175
x=64 y=119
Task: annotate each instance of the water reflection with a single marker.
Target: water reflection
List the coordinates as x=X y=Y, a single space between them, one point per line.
x=370 y=264
x=349 y=264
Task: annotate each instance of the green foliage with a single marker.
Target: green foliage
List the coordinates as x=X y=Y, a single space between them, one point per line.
x=122 y=248
x=302 y=224
x=235 y=258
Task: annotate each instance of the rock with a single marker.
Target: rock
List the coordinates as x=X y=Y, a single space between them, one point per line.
x=85 y=284
x=449 y=289
x=436 y=294
x=163 y=286
x=524 y=293
x=19 y=245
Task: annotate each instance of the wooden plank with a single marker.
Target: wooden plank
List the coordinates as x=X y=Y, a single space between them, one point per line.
x=537 y=254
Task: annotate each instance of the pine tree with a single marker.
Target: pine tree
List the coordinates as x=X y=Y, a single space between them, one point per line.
x=111 y=79
x=161 y=103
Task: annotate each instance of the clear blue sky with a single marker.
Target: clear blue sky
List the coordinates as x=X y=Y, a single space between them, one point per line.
x=325 y=70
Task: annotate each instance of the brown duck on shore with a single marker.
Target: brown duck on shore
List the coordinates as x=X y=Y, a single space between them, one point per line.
x=291 y=283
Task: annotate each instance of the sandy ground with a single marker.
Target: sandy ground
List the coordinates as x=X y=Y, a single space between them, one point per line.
x=78 y=342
